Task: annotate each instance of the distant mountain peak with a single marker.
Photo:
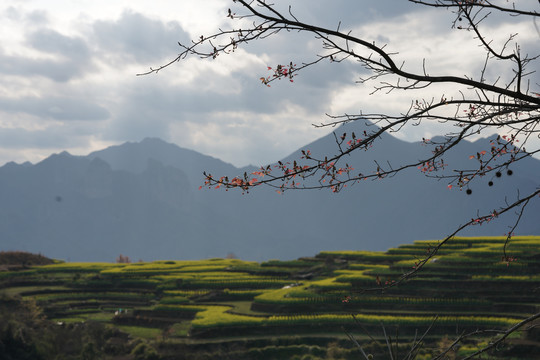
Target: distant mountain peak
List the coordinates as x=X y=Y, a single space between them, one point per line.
x=154 y=140
x=143 y=199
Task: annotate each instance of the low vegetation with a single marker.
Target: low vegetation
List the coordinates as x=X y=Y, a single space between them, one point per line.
x=229 y=308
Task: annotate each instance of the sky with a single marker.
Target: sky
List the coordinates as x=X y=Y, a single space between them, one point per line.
x=68 y=70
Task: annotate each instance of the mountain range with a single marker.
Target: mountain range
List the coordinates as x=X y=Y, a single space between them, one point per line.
x=142 y=200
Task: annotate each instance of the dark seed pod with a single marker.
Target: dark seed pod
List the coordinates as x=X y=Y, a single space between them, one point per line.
x=490 y=183
x=498 y=174
x=509 y=172
x=469 y=191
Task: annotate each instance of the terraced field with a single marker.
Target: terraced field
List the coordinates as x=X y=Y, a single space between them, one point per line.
x=291 y=309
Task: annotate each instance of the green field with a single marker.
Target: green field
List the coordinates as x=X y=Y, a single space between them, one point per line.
x=290 y=309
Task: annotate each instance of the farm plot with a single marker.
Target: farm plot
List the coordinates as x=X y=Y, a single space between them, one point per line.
x=206 y=300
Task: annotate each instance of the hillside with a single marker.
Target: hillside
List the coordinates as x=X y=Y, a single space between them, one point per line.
x=23 y=258
x=143 y=200
x=230 y=308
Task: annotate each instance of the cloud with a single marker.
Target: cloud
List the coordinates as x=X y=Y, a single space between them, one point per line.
x=31 y=18
x=70 y=72
x=57 y=108
x=54 y=137
x=53 y=42
x=54 y=56
x=241 y=138
x=21 y=144
x=56 y=70
x=134 y=37
x=346 y=12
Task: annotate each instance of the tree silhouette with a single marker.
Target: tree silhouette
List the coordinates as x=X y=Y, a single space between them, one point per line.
x=476 y=104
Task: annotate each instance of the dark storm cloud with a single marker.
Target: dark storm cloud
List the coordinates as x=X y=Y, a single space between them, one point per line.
x=58 y=108
x=139 y=38
x=71 y=57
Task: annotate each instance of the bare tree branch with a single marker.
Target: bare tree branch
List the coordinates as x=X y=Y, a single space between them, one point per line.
x=509 y=105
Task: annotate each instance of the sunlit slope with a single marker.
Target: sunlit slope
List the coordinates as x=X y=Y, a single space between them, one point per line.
x=465 y=286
